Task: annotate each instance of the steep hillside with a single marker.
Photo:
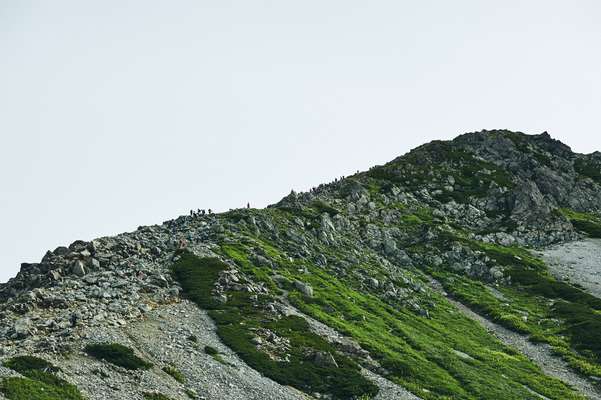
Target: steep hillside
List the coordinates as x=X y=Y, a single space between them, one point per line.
x=418 y=279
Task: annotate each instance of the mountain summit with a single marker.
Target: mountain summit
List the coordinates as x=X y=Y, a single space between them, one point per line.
x=464 y=269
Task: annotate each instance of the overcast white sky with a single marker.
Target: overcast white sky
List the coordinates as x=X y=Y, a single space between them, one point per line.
x=115 y=114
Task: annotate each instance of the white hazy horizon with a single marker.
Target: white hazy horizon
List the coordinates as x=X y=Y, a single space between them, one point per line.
x=116 y=114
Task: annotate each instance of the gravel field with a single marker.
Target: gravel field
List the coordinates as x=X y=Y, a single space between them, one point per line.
x=577 y=262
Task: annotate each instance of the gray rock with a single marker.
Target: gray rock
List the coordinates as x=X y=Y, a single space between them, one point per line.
x=373 y=282
x=54 y=275
x=390 y=247
x=325 y=359
x=78 y=268
x=94 y=264
x=304 y=288
x=22 y=327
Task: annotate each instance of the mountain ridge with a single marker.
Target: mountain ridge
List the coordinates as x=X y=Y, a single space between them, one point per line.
x=346 y=291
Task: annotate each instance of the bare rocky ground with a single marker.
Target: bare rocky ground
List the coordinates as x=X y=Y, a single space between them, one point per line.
x=577 y=262
x=541 y=354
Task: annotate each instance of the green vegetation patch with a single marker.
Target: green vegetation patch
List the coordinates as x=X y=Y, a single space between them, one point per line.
x=117 y=354
x=547 y=286
x=437 y=161
x=197 y=276
x=583 y=325
x=536 y=303
x=423 y=354
x=40 y=382
x=175 y=373
x=589 y=168
x=29 y=389
x=509 y=256
x=522 y=144
x=530 y=273
x=300 y=369
x=210 y=350
x=481 y=300
x=155 y=396
x=310 y=212
x=420 y=353
x=213 y=352
x=237 y=252
x=297 y=364
x=584 y=222
x=28 y=364
x=416 y=352
x=568 y=327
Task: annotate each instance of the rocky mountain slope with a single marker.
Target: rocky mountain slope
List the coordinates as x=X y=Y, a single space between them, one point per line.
x=424 y=278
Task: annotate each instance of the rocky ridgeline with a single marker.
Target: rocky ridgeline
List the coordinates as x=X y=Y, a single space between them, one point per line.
x=381 y=232
x=106 y=280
